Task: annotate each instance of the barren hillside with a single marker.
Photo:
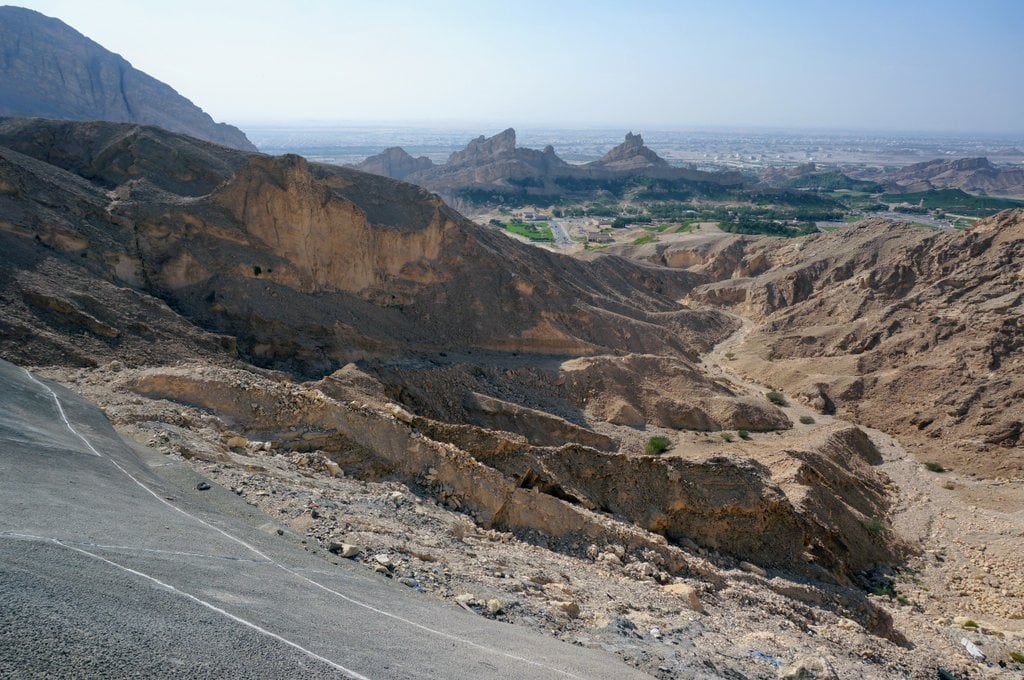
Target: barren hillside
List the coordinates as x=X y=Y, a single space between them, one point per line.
x=473 y=416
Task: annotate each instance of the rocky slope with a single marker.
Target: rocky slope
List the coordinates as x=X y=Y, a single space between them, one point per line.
x=306 y=268
x=973 y=175
x=670 y=608
x=311 y=266
x=494 y=400
x=914 y=331
x=50 y=70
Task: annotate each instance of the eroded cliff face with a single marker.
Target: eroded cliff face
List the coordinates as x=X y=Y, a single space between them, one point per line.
x=327 y=239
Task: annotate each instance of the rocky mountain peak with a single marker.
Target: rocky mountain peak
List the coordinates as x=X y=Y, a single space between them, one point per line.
x=631 y=154
x=395 y=162
x=50 y=70
x=484 y=149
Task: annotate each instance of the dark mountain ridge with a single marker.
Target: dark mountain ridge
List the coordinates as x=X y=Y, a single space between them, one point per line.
x=50 y=70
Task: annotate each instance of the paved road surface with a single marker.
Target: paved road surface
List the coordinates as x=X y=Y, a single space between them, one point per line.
x=112 y=564
x=561 y=233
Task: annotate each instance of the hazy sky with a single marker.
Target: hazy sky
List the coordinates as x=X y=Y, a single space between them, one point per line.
x=934 y=65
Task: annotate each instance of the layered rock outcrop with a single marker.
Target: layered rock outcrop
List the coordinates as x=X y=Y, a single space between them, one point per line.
x=798 y=509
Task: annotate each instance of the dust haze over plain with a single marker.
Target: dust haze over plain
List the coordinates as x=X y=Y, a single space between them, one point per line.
x=922 y=66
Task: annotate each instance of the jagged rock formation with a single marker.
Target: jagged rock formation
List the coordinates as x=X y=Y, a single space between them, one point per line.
x=973 y=175
x=50 y=70
x=484 y=161
x=496 y=163
x=396 y=163
x=631 y=155
x=915 y=331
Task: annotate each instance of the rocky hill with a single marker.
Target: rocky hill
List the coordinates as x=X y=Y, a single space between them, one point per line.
x=396 y=163
x=973 y=175
x=497 y=165
x=915 y=331
x=305 y=333
x=134 y=244
x=631 y=155
x=50 y=70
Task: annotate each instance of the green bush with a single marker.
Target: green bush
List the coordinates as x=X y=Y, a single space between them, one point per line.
x=1017 y=656
x=727 y=436
x=743 y=434
x=971 y=623
x=776 y=398
x=656 y=445
x=874 y=525
x=807 y=420
x=934 y=467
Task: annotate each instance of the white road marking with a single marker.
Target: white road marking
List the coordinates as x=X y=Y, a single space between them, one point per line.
x=208 y=605
x=288 y=570
x=135 y=548
x=60 y=410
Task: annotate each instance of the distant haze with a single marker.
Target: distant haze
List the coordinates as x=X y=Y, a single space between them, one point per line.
x=909 y=65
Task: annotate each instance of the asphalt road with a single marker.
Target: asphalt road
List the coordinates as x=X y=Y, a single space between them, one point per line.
x=113 y=565
x=560 y=233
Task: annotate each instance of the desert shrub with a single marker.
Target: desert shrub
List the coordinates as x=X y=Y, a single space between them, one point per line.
x=971 y=623
x=934 y=467
x=903 y=599
x=1017 y=656
x=776 y=398
x=727 y=436
x=656 y=445
x=949 y=486
x=874 y=525
x=743 y=434
x=807 y=420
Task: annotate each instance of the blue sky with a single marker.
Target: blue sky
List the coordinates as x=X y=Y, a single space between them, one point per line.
x=904 y=65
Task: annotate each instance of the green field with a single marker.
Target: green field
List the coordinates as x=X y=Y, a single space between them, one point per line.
x=535 y=231
x=954 y=200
